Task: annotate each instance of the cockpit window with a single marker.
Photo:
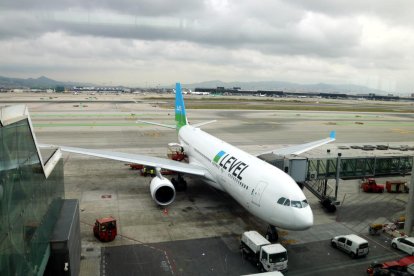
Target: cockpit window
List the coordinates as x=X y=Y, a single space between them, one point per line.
x=305 y=203
x=296 y=204
x=281 y=200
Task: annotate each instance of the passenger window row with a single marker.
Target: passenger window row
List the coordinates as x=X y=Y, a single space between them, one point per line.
x=294 y=203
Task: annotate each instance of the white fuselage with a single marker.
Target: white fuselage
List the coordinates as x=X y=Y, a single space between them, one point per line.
x=258 y=186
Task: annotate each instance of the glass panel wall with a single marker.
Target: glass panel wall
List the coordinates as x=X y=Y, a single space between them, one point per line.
x=29 y=203
x=358 y=167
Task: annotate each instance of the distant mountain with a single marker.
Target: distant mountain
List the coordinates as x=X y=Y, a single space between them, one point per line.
x=41 y=83
x=44 y=82
x=289 y=87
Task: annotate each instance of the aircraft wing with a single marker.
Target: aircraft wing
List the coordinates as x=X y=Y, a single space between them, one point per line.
x=138 y=159
x=298 y=149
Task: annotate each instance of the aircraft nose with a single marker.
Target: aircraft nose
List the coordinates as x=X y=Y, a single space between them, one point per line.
x=304 y=219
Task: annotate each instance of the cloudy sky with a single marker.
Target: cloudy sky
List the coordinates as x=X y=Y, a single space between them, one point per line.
x=159 y=42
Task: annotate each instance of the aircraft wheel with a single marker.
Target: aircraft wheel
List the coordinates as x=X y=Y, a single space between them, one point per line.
x=184 y=185
x=262 y=268
x=181 y=186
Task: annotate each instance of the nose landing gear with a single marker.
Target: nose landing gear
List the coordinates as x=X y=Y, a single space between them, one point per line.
x=271 y=234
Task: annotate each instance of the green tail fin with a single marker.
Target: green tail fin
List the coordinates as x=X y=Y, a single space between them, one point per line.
x=180 y=114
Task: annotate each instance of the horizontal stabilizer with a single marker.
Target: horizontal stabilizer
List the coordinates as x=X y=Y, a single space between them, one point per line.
x=204 y=123
x=157 y=124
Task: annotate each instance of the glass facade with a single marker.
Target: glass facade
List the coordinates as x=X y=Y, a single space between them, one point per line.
x=29 y=203
x=360 y=167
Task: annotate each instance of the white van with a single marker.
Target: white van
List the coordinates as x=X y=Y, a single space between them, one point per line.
x=352 y=244
x=272 y=273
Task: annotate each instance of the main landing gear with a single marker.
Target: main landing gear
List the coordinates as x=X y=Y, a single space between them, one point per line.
x=271 y=234
x=179 y=184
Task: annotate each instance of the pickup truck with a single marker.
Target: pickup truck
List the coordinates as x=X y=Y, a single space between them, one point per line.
x=370 y=186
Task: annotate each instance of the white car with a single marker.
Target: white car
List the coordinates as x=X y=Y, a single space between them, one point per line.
x=405 y=244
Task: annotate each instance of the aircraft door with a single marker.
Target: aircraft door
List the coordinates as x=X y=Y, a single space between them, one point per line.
x=257 y=192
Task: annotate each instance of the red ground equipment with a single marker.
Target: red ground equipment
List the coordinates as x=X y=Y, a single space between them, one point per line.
x=370 y=186
x=105 y=229
x=396 y=186
x=135 y=166
x=177 y=156
x=395 y=267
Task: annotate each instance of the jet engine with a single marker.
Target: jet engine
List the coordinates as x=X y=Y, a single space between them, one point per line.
x=162 y=191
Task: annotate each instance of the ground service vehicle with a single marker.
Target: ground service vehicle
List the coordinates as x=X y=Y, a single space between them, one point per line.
x=135 y=166
x=105 y=229
x=271 y=273
x=374 y=229
x=370 y=186
x=267 y=256
x=403 y=266
x=352 y=244
x=396 y=186
x=147 y=171
x=405 y=244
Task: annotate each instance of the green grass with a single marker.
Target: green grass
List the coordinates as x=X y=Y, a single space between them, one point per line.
x=282 y=104
x=75 y=115
x=292 y=107
x=233 y=99
x=370 y=123
x=86 y=124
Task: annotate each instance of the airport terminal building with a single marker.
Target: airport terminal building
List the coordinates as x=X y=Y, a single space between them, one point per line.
x=35 y=239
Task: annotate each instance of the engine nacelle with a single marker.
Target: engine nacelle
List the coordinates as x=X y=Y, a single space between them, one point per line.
x=162 y=191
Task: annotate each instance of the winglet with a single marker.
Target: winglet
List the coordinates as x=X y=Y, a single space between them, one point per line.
x=332 y=135
x=180 y=115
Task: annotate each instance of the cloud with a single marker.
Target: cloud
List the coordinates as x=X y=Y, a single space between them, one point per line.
x=398 y=12
x=311 y=34
x=141 y=7
x=302 y=41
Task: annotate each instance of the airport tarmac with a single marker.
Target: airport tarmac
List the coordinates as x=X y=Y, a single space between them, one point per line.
x=172 y=241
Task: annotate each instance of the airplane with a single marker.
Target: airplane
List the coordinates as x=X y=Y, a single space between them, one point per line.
x=262 y=189
x=199 y=93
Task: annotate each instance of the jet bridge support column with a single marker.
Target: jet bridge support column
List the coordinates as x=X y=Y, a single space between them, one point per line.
x=408 y=226
x=326 y=179
x=338 y=171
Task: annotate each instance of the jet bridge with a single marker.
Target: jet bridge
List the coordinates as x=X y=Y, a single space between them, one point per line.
x=314 y=172
x=358 y=167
